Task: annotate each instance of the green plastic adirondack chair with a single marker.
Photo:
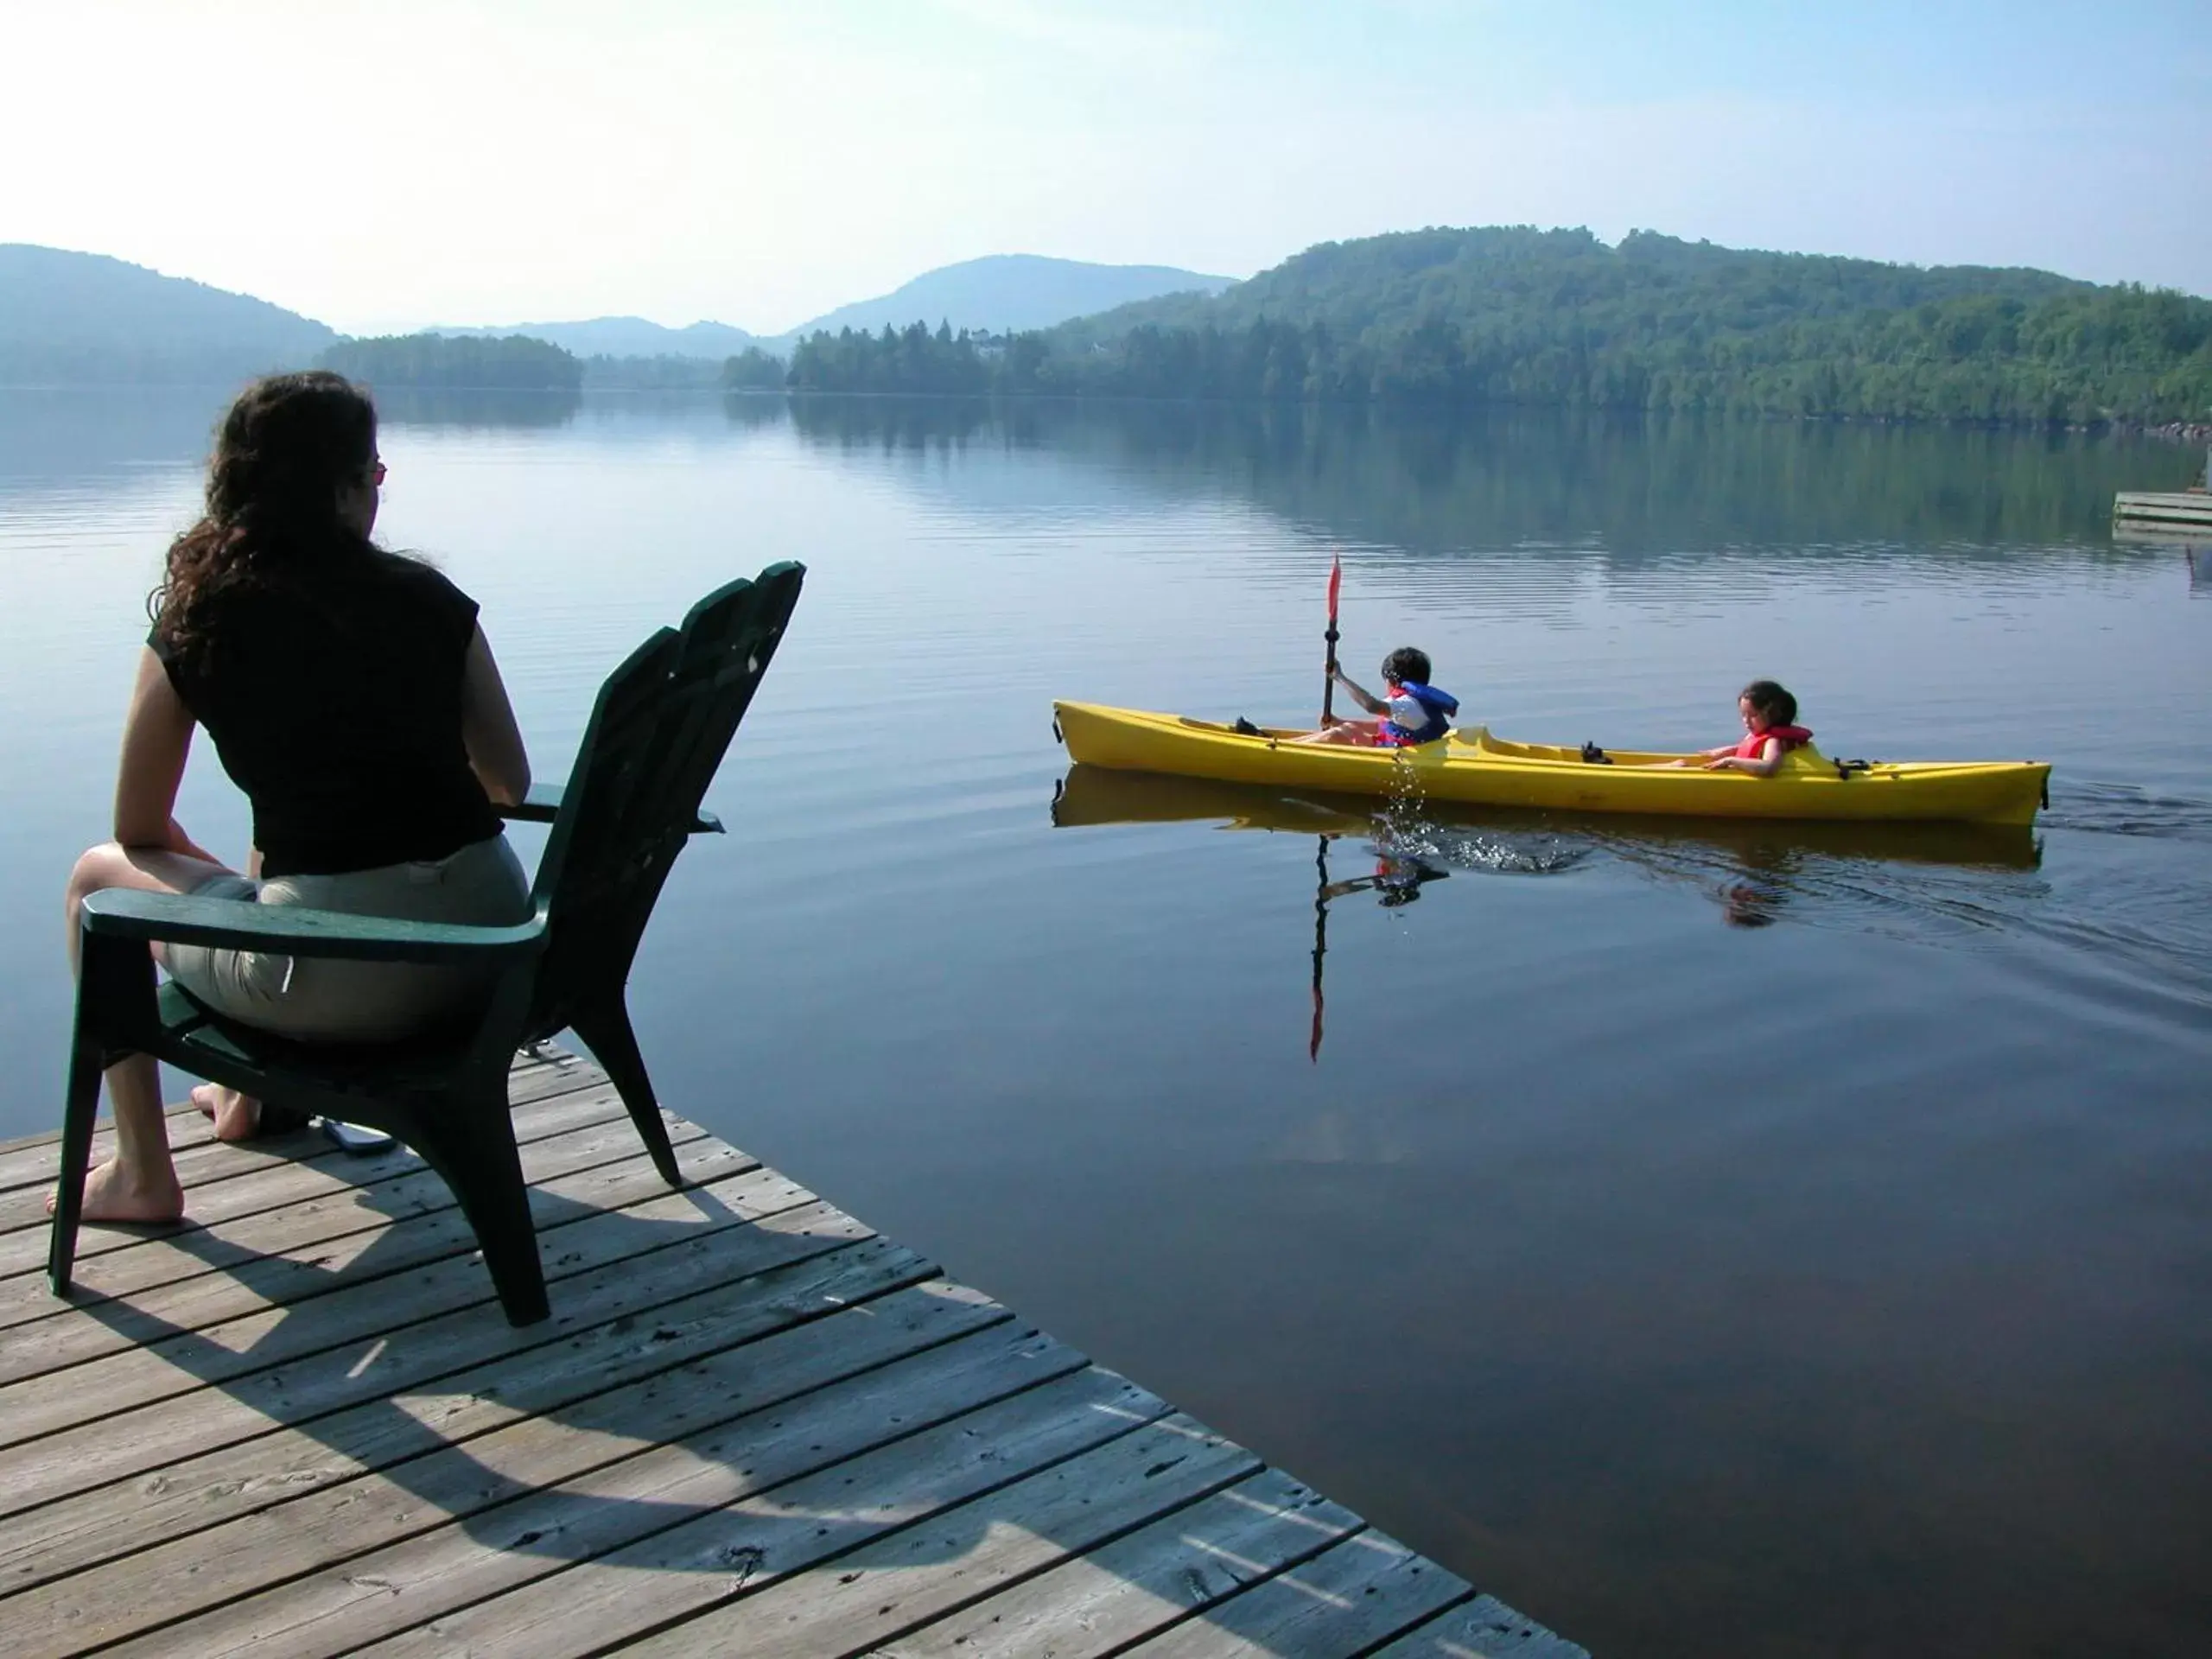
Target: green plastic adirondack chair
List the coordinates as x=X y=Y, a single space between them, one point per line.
x=657 y=731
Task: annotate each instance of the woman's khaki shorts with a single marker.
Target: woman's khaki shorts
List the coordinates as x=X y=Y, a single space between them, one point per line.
x=324 y=1001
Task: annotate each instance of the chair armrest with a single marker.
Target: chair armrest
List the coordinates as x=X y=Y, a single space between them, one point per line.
x=542 y=804
x=296 y=931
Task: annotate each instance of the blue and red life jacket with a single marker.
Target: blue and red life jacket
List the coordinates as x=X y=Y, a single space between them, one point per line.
x=1792 y=737
x=1438 y=706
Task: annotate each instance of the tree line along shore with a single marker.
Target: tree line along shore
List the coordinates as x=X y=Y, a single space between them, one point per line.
x=1506 y=316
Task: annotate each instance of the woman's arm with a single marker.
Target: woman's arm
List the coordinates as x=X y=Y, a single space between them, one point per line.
x=488 y=731
x=157 y=740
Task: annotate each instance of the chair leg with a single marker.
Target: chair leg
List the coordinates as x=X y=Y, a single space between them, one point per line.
x=606 y=1031
x=473 y=1146
x=80 y=1113
x=115 y=1004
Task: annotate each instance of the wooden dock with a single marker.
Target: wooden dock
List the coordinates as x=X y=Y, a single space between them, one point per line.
x=2185 y=509
x=300 y=1425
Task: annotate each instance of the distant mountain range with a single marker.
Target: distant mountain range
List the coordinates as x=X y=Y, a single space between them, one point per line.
x=998 y=293
x=1010 y=291
x=68 y=318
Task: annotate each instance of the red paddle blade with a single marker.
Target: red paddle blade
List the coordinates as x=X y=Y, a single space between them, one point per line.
x=1336 y=581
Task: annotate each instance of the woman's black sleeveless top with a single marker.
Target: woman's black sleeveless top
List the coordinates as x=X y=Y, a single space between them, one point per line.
x=335 y=703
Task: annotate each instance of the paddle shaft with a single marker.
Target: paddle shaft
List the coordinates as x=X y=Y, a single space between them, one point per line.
x=1329 y=675
x=1329 y=667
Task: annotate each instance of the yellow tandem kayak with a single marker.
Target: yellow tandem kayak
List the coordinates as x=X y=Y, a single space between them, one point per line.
x=1475 y=767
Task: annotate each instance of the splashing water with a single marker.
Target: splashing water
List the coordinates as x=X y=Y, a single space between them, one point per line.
x=1403 y=830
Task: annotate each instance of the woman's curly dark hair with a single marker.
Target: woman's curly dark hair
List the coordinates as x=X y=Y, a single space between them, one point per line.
x=290 y=446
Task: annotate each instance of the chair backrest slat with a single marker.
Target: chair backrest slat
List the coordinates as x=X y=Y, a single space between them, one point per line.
x=657 y=733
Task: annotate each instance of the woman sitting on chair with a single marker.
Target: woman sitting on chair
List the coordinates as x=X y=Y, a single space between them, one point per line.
x=350 y=695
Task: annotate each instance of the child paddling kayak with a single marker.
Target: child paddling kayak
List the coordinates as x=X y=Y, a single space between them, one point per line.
x=1412 y=711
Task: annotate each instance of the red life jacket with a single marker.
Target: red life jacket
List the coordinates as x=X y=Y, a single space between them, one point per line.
x=1754 y=746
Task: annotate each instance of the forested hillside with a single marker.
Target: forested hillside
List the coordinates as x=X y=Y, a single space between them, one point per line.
x=911 y=359
x=513 y=363
x=85 y=319
x=1515 y=316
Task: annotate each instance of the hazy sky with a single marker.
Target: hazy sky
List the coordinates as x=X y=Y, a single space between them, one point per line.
x=388 y=164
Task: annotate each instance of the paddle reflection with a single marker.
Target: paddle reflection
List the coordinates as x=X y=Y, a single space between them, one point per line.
x=1397 y=880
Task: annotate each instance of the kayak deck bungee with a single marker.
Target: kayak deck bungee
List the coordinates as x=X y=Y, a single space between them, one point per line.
x=1475 y=767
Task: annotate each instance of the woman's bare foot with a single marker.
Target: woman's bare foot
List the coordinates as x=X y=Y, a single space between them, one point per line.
x=238 y=1117
x=110 y=1195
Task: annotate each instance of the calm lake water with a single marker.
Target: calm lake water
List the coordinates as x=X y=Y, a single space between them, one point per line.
x=1713 y=1241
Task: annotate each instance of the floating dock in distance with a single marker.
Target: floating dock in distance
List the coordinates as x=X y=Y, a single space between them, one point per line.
x=302 y=1426
x=2174 y=509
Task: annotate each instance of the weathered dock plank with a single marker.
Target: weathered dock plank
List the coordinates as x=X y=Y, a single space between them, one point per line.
x=224 y=1182
x=2190 y=507
x=29 y=1161
x=477 y=1592
x=1340 y=1603
x=315 y=1245
x=1484 y=1628
x=687 y=1580
x=284 y=1466
x=356 y=1523
x=258 y=1244
x=1139 y=1584
x=272 y=1368
x=380 y=1331
x=863 y=1601
x=299 y=1426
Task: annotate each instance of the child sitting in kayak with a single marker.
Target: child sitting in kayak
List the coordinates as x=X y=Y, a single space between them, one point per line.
x=1771 y=731
x=1412 y=711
